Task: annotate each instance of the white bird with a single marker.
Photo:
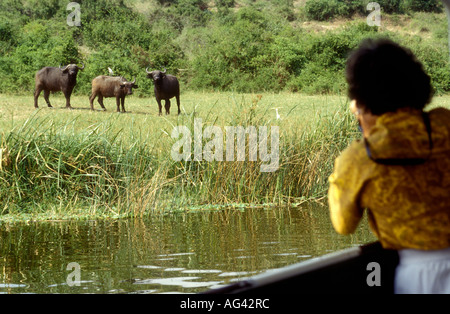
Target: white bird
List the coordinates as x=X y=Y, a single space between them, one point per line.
x=110 y=71
x=276 y=111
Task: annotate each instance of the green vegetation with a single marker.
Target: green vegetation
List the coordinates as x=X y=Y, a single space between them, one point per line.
x=63 y=162
x=236 y=60
x=222 y=45
x=322 y=10
x=58 y=163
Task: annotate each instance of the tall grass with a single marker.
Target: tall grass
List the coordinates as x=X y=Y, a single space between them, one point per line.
x=53 y=166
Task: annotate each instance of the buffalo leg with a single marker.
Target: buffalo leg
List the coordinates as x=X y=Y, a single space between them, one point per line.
x=91 y=100
x=167 y=105
x=46 y=97
x=37 y=91
x=68 y=106
x=178 y=103
x=100 y=101
x=123 y=103
x=159 y=106
x=118 y=103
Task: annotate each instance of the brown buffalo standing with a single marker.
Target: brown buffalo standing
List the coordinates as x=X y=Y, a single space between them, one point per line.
x=111 y=86
x=51 y=79
x=166 y=87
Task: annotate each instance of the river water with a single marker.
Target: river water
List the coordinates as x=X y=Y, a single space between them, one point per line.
x=185 y=252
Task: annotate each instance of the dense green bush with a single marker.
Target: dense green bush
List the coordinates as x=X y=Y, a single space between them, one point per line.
x=35 y=47
x=230 y=55
x=322 y=10
x=259 y=46
x=391 y=6
x=434 y=60
x=321 y=69
x=118 y=31
x=424 y=5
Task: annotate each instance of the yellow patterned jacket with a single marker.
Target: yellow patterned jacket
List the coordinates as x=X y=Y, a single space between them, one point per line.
x=408 y=205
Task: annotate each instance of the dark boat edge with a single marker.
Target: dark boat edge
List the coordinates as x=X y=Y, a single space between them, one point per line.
x=364 y=269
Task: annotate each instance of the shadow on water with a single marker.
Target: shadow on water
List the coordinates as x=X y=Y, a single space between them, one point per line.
x=173 y=253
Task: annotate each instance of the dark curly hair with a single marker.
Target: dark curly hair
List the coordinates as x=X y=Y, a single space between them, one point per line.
x=383 y=77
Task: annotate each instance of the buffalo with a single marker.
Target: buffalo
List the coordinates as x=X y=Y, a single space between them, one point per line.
x=52 y=79
x=166 y=87
x=111 y=86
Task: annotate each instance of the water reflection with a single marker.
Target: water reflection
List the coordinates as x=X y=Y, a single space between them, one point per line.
x=182 y=252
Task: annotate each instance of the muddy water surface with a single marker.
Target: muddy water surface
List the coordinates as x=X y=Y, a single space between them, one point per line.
x=174 y=253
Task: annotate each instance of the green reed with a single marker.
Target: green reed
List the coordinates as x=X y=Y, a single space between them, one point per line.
x=54 y=167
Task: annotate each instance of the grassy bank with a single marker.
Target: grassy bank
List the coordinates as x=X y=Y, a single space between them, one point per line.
x=60 y=163
x=57 y=162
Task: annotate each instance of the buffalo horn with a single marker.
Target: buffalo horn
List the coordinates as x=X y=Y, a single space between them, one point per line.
x=81 y=67
x=146 y=70
x=164 y=70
